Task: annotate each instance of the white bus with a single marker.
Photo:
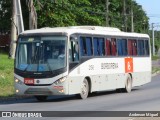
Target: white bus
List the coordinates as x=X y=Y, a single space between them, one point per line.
x=80 y=60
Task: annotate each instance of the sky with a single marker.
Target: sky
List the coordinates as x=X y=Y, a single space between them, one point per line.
x=152 y=8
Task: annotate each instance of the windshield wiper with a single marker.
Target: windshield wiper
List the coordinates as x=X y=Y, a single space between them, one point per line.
x=50 y=69
x=33 y=60
x=26 y=68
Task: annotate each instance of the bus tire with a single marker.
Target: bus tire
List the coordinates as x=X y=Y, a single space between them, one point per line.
x=128 y=84
x=84 y=89
x=93 y=94
x=41 y=98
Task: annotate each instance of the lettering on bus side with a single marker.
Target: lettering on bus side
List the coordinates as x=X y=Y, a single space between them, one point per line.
x=91 y=67
x=109 y=65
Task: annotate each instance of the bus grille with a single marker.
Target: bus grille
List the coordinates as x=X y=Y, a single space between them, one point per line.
x=38 y=91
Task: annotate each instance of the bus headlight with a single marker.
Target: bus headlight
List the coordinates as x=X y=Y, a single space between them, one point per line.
x=59 y=81
x=18 y=81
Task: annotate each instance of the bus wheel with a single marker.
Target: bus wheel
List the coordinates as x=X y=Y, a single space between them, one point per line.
x=84 y=89
x=41 y=98
x=128 y=84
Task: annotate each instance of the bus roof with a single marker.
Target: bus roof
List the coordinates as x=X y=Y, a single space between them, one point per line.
x=96 y=30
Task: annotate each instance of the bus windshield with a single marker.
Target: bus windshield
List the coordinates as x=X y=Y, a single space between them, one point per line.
x=40 y=54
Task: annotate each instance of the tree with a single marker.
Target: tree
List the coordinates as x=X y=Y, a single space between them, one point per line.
x=140 y=18
x=32 y=14
x=54 y=13
x=5 y=14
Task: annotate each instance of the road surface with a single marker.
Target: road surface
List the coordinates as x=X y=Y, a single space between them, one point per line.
x=144 y=98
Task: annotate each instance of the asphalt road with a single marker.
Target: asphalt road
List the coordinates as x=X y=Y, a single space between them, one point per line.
x=144 y=98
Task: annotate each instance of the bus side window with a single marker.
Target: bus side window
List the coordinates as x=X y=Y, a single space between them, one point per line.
x=83 y=50
x=132 y=47
x=89 y=46
x=146 y=43
x=134 y=44
x=86 y=46
x=99 y=46
x=113 y=47
x=74 y=51
x=108 y=47
x=95 y=43
x=119 y=45
x=122 y=47
x=140 y=47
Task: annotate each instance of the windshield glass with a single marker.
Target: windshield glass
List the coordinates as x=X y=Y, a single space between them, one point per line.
x=46 y=53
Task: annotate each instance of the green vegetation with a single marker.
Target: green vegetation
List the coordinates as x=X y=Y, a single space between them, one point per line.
x=6 y=76
x=155 y=57
x=52 y=13
x=155 y=69
x=156 y=39
x=90 y=12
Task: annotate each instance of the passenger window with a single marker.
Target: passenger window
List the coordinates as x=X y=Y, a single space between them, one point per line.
x=132 y=47
x=134 y=44
x=140 y=47
x=108 y=47
x=146 y=42
x=95 y=43
x=99 y=48
x=74 y=51
x=122 y=47
x=86 y=46
x=113 y=47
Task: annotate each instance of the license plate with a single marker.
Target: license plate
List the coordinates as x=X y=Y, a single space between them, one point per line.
x=28 y=81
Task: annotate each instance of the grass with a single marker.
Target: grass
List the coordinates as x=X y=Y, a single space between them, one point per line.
x=6 y=76
x=156 y=57
x=155 y=69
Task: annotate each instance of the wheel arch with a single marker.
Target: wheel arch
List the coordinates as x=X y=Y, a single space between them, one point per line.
x=130 y=75
x=128 y=84
x=89 y=82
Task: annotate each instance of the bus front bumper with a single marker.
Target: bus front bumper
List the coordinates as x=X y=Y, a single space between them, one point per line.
x=39 y=90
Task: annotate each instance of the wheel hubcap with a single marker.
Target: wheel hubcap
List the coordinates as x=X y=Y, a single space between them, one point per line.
x=84 y=89
x=128 y=84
